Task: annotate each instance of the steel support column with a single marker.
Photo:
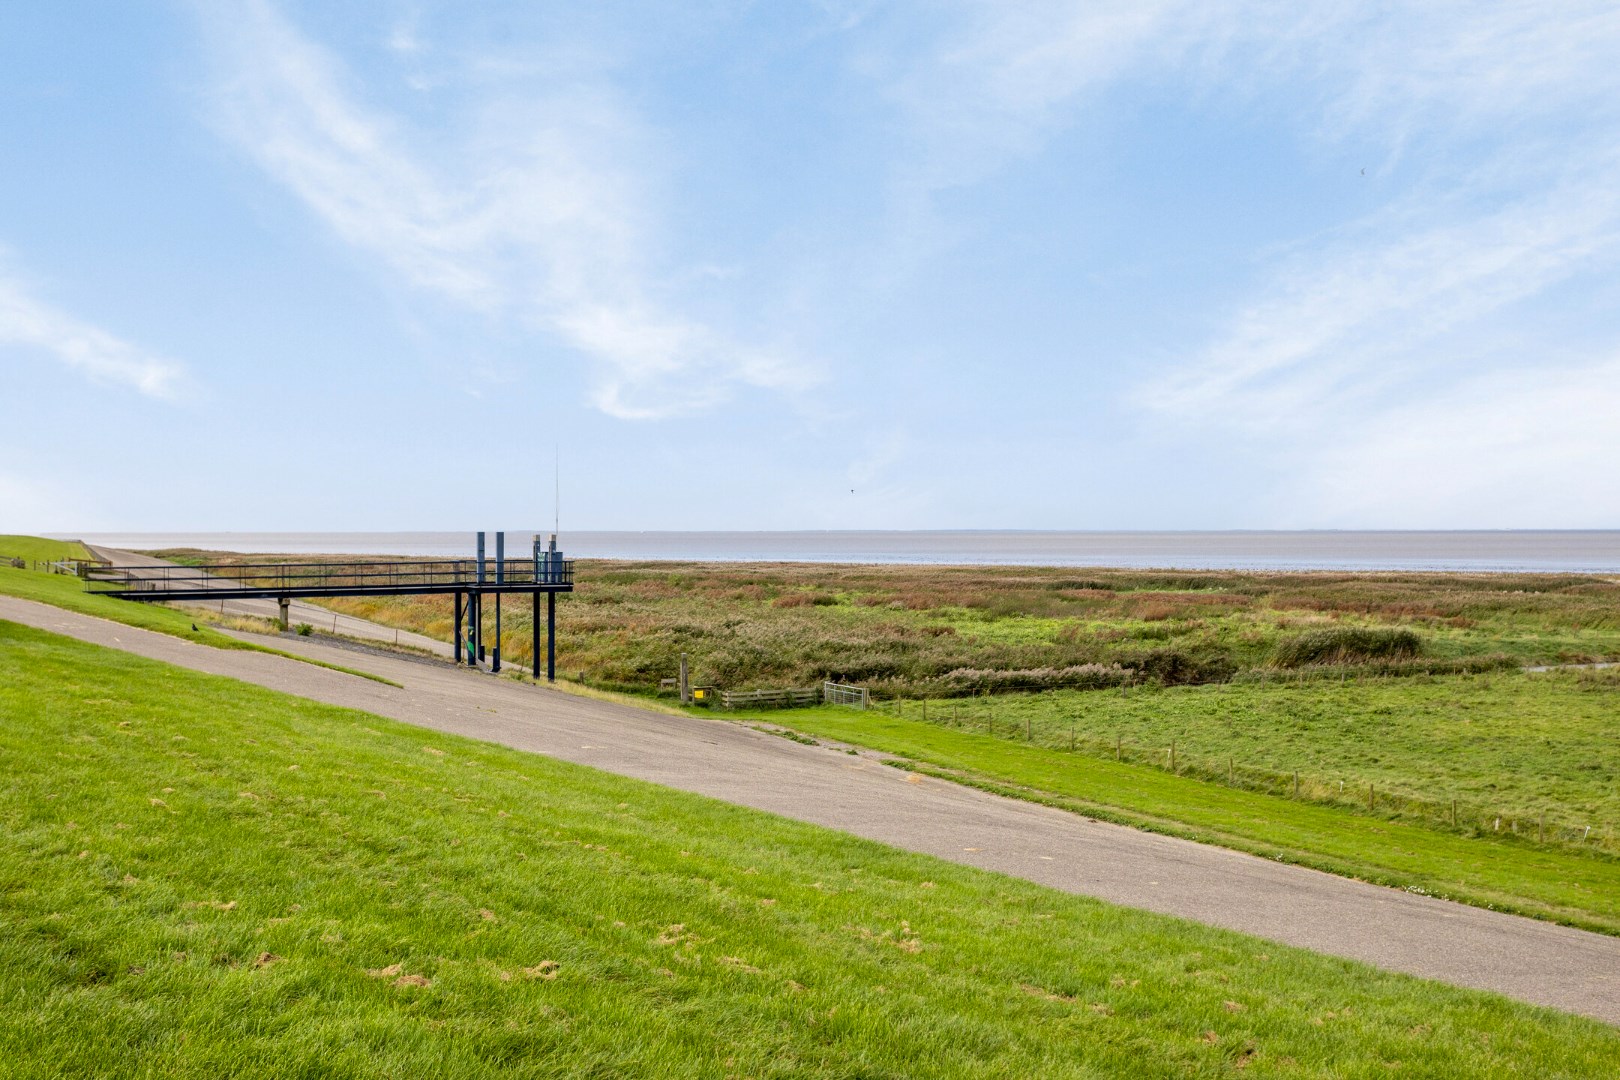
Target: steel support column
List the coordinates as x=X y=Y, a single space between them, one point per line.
x=495 y=655
x=534 y=647
x=551 y=637
x=478 y=604
x=456 y=645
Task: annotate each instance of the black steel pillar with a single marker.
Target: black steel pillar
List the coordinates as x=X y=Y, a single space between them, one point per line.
x=534 y=647
x=478 y=604
x=456 y=644
x=500 y=579
x=551 y=637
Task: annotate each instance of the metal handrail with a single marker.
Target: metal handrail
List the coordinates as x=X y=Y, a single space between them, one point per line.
x=447 y=574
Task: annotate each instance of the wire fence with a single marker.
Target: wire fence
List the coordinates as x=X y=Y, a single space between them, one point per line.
x=70 y=567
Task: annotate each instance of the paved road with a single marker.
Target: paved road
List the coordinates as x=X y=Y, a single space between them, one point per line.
x=1533 y=961
x=298 y=611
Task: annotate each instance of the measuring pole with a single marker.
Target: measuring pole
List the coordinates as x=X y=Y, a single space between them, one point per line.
x=534 y=613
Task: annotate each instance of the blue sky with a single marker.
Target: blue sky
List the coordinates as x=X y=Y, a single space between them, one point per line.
x=809 y=265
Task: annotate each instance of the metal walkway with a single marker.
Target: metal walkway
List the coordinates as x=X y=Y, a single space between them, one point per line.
x=467 y=580
x=239 y=581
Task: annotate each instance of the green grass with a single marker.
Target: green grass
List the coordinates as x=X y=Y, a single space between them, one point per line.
x=37 y=548
x=60 y=590
x=203 y=878
x=1506 y=745
x=1546 y=881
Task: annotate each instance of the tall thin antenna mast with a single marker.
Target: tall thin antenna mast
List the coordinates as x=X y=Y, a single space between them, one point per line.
x=556 y=488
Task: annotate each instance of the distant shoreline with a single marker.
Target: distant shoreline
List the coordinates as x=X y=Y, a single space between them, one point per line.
x=1595 y=551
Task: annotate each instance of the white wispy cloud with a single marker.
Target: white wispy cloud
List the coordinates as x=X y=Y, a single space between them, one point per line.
x=1381 y=337
x=530 y=211
x=1348 y=319
x=29 y=326
x=998 y=78
x=1510 y=449
x=1512 y=112
x=405 y=35
x=1450 y=67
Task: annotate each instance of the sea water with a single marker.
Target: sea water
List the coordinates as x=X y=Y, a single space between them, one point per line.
x=1576 y=551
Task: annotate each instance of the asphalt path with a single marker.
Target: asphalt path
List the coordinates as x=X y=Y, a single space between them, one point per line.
x=1533 y=961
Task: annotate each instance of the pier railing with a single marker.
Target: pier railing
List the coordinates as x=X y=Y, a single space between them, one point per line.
x=228 y=580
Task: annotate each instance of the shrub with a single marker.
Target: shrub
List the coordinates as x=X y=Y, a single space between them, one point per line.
x=1347 y=645
x=1461 y=665
x=805 y=599
x=304 y=629
x=1179 y=667
x=1079 y=676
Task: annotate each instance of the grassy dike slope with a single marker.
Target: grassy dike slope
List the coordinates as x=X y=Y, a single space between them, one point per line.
x=38 y=548
x=63 y=591
x=199 y=877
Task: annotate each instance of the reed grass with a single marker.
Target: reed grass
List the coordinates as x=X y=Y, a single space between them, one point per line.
x=914 y=630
